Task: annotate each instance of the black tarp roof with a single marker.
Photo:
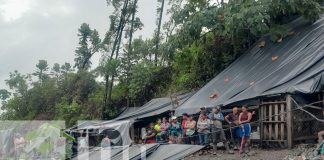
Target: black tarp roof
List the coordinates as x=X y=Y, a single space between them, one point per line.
x=134 y=152
x=295 y=65
x=154 y=107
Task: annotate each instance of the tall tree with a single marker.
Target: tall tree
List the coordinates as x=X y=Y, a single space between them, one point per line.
x=89 y=42
x=130 y=50
x=42 y=67
x=160 y=11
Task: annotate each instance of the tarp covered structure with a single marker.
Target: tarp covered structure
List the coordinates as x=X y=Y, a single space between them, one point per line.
x=121 y=126
x=296 y=65
x=154 y=107
x=174 y=151
x=150 y=151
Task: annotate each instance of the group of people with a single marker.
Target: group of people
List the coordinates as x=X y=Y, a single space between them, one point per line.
x=203 y=130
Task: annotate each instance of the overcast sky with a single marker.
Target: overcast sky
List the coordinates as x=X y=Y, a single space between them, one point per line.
x=47 y=29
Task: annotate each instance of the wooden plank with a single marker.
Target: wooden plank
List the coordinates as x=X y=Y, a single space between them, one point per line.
x=274 y=140
x=314 y=107
x=261 y=122
x=276 y=118
x=270 y=119
x=282 y=118
x=275 y=102
x=305 y=138
x=289 y=122
x=265 y=127
x=274 y=121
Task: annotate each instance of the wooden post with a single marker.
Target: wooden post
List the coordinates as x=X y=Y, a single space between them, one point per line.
x=277 y=123
x=270 y=120
x=289 y=122
x=261 y=119
x=282 y=118
x=132 y=132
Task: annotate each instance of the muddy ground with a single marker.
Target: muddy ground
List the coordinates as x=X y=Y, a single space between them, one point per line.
x=300 y=152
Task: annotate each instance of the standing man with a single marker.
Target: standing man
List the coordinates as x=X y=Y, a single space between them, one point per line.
x=218 y=135
x=233 y=120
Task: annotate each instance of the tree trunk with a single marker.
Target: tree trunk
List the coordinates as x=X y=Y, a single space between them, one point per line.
x=117 y=50
x=130 y=52
x=158 y=33
x=107 y=97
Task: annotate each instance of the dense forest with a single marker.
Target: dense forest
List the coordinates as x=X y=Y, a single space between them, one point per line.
x=197 y=41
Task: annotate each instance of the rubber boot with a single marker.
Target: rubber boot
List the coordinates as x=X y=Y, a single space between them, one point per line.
x=247 y=147
x=214 y=152
x=226 y=144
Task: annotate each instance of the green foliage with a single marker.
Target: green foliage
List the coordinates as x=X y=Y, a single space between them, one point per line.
x=89 y=42
x=200 y=39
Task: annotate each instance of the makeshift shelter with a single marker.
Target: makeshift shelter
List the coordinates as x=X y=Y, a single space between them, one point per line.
x=149 y=112
x=149 y=151
x=154 y=107
x=271 y=77
x=117 y=131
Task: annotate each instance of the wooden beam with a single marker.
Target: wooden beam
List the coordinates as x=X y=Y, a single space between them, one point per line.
x=261 y=108
x=276 y=124
x=282 y=118
x=270 y=124
x=276 y=102
x=289 y=121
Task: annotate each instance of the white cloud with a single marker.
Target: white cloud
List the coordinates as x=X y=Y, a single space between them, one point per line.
x=14 y=9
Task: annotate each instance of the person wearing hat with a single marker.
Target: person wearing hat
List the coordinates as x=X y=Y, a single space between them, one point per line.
x=175 y=130
x=218 y=135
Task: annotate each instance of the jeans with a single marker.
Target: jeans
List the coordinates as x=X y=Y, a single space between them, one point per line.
x=158 y=138
x=203 y=138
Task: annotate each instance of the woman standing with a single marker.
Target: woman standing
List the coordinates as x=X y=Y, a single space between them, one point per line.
x=203 y=125
x=164 y=127
x=190 y=127
x=245 y=127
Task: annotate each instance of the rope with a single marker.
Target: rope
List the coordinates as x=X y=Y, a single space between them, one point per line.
x=268 y=117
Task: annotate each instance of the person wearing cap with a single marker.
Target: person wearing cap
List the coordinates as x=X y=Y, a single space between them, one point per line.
x=175 y=129
x=218 y=135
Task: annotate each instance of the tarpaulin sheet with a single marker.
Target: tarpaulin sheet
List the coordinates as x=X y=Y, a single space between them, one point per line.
x=149 y=151
x=154 y=107
x=173 y=151
x=295 y=65
x=121 y=126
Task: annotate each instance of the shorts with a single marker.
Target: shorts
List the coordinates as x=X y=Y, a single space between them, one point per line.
x=245 y=130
